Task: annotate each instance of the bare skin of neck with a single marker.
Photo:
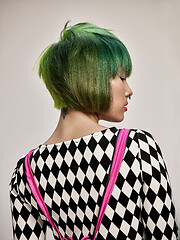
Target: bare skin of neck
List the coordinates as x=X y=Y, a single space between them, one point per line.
x=75 y=124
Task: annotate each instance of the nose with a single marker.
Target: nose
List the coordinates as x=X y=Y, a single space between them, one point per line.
x=129 y=92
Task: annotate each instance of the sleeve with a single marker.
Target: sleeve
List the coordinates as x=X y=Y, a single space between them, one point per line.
x=26 y=220
x=158 y=211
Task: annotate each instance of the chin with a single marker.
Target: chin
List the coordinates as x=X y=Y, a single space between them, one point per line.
x=117 y=118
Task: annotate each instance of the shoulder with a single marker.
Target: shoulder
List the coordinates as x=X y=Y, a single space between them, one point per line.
x=139 y=134
x=145 y=149
x=19 y=189
x=143 y=142
x=142 y=136
x=18 y=173
x=148 y=151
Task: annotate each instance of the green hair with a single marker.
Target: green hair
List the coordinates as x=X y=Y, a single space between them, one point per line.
x=77 y=69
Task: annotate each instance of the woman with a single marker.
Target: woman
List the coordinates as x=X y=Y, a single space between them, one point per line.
x=86 y=74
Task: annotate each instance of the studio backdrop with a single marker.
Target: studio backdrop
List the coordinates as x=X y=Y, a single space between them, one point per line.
x=149 y=29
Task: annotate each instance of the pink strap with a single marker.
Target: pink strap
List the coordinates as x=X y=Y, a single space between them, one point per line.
x=118 y=157
x=36 y=192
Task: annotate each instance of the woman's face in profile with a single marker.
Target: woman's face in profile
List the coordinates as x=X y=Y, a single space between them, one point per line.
x=120 y=91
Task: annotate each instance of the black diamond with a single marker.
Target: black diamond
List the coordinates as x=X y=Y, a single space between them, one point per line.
x=91 y=203
x=77 y=185
x=82 y=146
x=37 y=229
x=64 y=168
x=162 y=194
x=155 y=214
x=24 y=213
x=156 y=174
x=82 y=204
x=68 y=187
x=112 y=202
x=117 y=220
x=94 y=163
x=132 y=233
x=105 y=162
x=87 y=184
x=129 y=158
x=128 y=217
x=72 y=148
x=145 y=156
x=131 y=178
x=151 y=196
x=96 y=183
x=18 y=231
x=123 y=199
x=49 y=190
x=15 y=214
x=84 y=165
x=64 y=206
x=54 y=152
x=74 y=167
x=27 y=231
x=153 y=152
x=45 y=154
x=168 y=232
x=157 y=233
x=92 y=144
x=106 y=222
x=45 y=171
x=55 y=207
x=165 y=213
x=37 y=173
x=147 y=178
x=55 y=169
x=72 y=205
x=103 y=142
x=63 y=150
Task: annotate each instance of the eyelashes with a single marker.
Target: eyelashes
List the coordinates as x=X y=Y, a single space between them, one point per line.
x=123 y=79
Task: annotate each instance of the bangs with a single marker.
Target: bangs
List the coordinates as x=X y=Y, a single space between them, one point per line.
x=116 y=55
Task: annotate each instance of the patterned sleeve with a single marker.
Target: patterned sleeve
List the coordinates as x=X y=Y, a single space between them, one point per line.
x=26 y=220
x=158 y=211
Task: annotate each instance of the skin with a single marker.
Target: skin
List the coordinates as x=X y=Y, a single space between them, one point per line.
x=77 y=123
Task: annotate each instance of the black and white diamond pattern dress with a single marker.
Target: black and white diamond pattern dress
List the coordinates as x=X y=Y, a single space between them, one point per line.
x=72 y=177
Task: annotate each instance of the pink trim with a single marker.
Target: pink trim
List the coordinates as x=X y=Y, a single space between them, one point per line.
x=36 y=192
x=118 y=157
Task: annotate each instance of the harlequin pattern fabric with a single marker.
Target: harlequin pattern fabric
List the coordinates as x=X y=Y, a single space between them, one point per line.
x=72 y=177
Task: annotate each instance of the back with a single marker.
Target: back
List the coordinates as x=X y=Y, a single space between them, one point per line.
x=72 y=177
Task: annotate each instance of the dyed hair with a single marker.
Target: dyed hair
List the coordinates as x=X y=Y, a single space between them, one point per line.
x=77 y=69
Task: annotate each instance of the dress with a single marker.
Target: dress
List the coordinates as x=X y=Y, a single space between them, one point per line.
x=72 y=177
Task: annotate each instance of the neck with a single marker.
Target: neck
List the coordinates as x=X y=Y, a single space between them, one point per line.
x=77 y=116
x=75 y=124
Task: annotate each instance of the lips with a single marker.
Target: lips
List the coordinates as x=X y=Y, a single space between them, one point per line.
x=125 y=107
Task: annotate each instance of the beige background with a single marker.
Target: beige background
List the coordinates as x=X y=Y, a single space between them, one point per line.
x=151 y=32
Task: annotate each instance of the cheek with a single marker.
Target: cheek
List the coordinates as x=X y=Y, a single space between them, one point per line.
x=117 y=93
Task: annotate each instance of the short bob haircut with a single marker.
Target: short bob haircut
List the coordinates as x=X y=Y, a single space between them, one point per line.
x=77 y=69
